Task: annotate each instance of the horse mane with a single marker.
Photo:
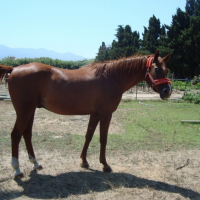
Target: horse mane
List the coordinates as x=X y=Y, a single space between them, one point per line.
x=118 y=68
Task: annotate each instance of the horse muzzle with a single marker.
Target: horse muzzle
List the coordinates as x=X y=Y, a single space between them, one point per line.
x=164 y=90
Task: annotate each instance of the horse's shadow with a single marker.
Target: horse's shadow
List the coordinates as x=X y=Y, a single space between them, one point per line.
x=75 y=183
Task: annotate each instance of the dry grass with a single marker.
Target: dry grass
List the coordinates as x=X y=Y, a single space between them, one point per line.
x=154 y=176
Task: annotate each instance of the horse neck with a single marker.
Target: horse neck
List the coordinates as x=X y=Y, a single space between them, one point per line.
x=134 y=73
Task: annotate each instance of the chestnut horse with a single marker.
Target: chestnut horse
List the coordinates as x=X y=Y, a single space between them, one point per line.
x=94 y=90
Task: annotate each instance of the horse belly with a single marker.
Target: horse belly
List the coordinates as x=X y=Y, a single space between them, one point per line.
x=71 y=105
x=76 y=97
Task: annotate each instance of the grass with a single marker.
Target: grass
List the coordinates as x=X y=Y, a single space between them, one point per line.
x=155 y=126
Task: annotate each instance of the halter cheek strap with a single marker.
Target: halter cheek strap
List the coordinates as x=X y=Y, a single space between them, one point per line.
x=157 y=81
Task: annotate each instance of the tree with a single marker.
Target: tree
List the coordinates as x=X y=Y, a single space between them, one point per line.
x=103 y=53
x=127 y=42
x=190 y=7
x=11 y=61
x=180 y=23
x=193 y=7
x=151 y=35
x=183 y=38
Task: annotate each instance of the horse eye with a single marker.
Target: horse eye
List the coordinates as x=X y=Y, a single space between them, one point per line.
x=156 y=69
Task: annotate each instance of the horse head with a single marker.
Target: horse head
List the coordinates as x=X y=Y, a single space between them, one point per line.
x=156 y=75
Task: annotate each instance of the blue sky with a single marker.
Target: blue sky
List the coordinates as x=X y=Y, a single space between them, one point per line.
x=76 y=26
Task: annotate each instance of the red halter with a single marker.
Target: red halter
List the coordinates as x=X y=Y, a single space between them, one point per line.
x=154 y=82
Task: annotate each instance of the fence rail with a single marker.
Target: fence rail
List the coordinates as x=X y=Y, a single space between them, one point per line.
x=177 y=85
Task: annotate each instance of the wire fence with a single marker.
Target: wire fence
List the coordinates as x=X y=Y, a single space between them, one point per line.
x=143 y=90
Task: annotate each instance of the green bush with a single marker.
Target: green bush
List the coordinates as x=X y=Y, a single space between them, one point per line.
x=180 y=85
x=195 y=98
x=197 y=86
x=10 y=61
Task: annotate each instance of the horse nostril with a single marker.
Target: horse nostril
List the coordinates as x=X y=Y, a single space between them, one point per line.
x=165 y=91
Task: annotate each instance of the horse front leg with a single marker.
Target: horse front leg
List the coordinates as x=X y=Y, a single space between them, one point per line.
x=104 y=125
x=27 y=138
x=88 y=137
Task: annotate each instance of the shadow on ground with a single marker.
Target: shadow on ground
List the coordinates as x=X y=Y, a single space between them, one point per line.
x=77 y=183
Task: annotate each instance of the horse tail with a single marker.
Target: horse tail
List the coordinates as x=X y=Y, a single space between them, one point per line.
x=4 y=70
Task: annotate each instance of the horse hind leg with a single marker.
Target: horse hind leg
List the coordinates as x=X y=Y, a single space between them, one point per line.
x=27 y=138
x=15 y=140
x=21 y=124
x=16 y=134
x=88 y=137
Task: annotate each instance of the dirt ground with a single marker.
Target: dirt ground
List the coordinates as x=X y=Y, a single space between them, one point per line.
x=136 y=175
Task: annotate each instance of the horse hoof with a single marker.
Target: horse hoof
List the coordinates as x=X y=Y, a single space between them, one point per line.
x=39 y=167
x=20 y=175
x=107 y=169
x=85 y=165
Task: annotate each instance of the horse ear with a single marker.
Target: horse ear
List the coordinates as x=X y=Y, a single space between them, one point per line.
x=156 y=55
x=166 y=58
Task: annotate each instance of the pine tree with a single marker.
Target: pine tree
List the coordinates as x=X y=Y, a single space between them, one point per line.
x=103 y=53
x=127 y=43
x=151 y=35
x=183 y=40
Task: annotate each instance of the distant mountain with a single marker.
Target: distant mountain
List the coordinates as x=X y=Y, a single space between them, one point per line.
x=36 y=53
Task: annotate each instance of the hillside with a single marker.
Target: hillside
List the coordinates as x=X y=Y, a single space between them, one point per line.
x=36 y=53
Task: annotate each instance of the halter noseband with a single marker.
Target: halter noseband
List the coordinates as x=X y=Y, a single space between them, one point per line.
x=157 y=81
